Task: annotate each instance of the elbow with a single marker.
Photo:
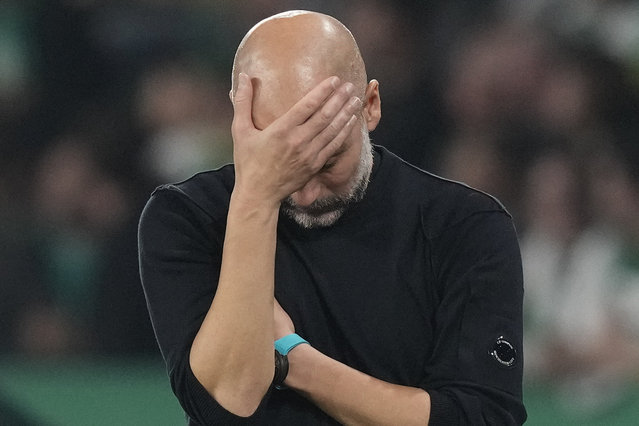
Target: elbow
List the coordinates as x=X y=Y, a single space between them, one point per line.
x=238 y=390
x=242 y=400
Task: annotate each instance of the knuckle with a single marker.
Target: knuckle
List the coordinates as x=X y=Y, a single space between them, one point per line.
x=294 y=142
x=308 y=107
x=326 y=115
x=235 y=129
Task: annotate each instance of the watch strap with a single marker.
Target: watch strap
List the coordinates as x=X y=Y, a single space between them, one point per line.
x=286 y=343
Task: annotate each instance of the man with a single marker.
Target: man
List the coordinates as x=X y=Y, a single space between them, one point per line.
x=406 y=287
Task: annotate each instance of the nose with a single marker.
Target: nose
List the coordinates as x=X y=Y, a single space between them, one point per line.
x=309 y=193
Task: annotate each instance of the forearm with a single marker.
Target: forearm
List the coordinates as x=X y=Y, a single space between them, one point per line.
x=232 y=354
x=352 y=397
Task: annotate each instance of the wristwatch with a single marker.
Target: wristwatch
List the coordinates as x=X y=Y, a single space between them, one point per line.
x=282 y=347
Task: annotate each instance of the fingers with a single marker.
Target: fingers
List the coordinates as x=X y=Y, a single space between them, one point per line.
x=282 y=157
x=329 y=144
x=242 y=105
x=312 y=101
x=328 y=112
x=322 y=120
x=334 y=122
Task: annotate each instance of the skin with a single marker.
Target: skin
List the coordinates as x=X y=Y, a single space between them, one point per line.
x=285 y=65
x=302 y=111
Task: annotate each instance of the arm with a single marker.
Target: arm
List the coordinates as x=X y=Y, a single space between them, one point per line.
x=352 y=397
x=349 y=396
x=232 y=353
x=463 y=384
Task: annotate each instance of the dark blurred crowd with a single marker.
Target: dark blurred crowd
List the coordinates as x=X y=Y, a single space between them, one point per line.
x=535 y=102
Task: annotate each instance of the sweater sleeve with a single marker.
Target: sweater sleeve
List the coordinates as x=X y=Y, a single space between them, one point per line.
x=180 y=250
x=474 y=375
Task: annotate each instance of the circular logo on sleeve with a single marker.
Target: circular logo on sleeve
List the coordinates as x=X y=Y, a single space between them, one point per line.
x=504 y=352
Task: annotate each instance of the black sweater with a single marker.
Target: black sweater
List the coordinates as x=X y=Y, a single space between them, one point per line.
x=419 y=284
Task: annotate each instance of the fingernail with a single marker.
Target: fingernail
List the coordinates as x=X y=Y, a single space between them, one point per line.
x=335 y=82
x=355 y=102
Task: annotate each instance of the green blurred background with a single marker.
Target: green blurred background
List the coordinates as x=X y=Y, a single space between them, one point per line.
x=136 y=392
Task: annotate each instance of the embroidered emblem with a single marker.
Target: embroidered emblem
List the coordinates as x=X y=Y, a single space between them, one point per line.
x=504 y=352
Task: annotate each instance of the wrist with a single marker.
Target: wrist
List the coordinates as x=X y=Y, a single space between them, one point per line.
x=301 y=366
x=247 y=206
x=283 y=346
x=251 y=199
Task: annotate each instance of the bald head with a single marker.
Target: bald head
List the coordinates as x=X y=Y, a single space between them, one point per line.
x=286 y=55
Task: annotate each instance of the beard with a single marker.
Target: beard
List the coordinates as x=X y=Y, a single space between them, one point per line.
x=326 y=211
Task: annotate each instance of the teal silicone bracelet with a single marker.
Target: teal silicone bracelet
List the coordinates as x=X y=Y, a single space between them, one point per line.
x=286 y=343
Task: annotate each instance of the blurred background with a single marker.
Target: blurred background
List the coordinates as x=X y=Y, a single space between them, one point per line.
x=533 y=101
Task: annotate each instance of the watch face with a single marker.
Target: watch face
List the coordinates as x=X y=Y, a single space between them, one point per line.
x=279 y=359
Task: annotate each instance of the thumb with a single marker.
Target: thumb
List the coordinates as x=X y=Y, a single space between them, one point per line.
x=243 y=104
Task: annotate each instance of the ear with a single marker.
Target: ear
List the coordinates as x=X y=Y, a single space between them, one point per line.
x=231 y=95
x=372 y=105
